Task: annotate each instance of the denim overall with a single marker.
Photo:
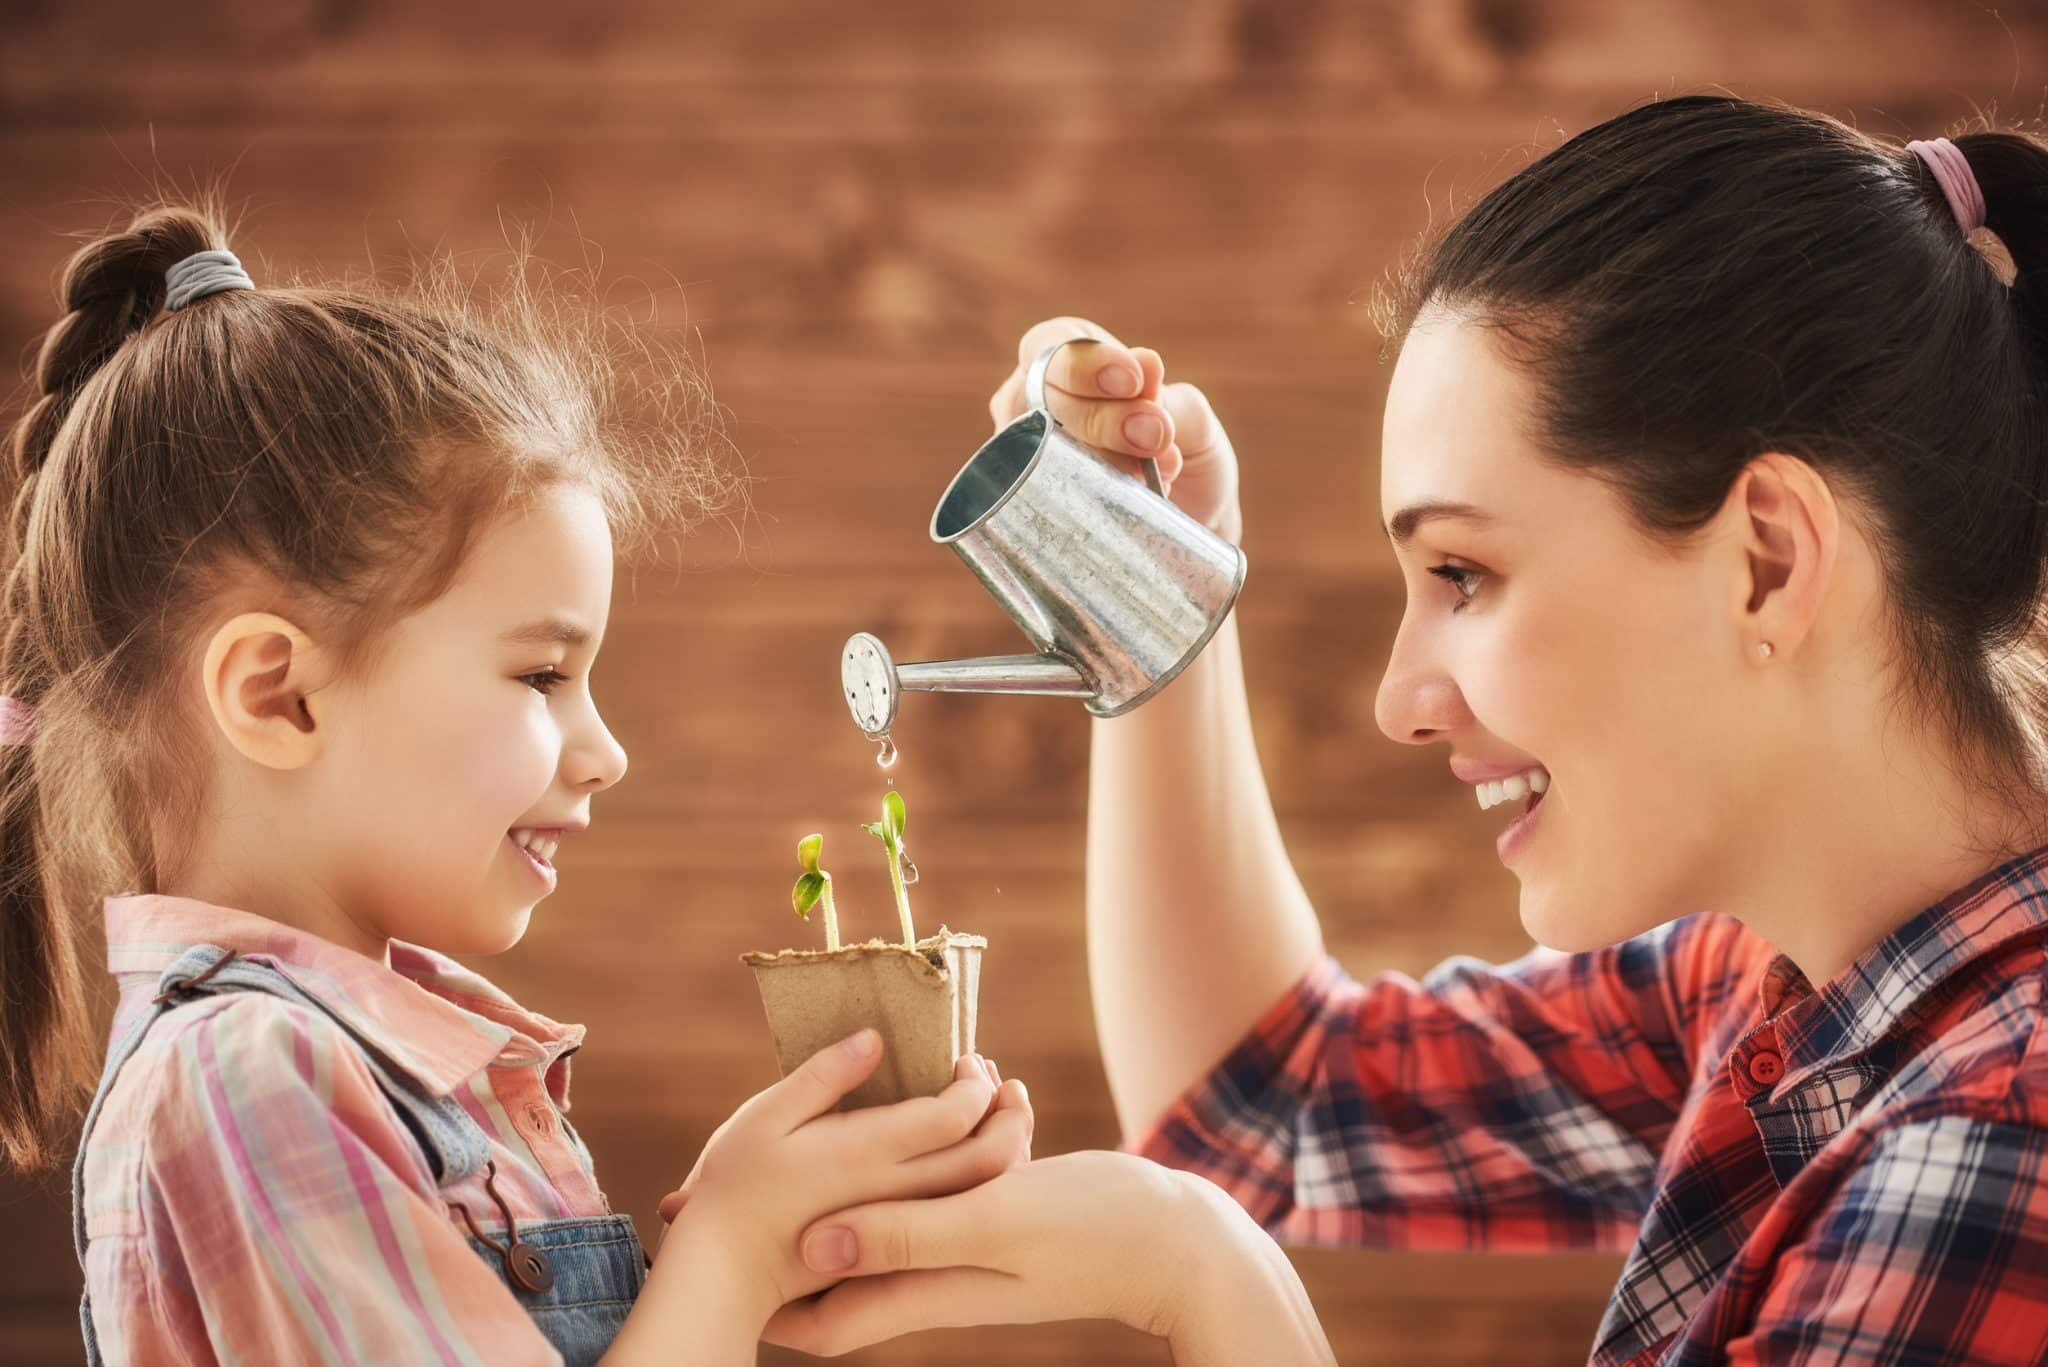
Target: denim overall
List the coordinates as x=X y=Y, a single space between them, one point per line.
x=576 y=1278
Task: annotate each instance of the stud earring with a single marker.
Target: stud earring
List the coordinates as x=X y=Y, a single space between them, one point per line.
x=1763 y=650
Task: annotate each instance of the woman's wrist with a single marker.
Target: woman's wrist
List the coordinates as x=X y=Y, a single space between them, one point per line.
x=1242 y=1300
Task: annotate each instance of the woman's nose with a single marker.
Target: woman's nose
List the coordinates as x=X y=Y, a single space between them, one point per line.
x=1417 y=705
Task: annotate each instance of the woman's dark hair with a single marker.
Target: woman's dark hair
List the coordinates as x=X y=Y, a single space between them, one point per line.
x=1704 y=279
x=330 y=454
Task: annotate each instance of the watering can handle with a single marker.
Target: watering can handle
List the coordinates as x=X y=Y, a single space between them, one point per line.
x=1034 y=397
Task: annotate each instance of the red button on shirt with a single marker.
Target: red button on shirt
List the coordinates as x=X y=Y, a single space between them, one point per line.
x=1766 y=1067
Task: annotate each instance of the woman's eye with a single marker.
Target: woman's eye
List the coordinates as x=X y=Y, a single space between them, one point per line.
x=548 y=679
x=1465 y=581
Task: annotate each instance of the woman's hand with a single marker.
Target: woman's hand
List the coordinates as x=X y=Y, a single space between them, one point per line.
x=1081 y=1236
x=1114 y=398
x=785 y=1158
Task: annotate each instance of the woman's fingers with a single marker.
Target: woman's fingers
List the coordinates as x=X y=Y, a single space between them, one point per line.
x=1194 y=421
x=855 y=1314
x=820 y=1081
x=896 y=1236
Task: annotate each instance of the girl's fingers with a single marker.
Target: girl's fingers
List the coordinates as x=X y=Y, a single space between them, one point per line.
x=857 y=1313
x=820 y=1081
x=999 y=1144
x=920 y=1125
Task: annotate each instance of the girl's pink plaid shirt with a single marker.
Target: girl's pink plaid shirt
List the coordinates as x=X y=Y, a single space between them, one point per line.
x=1853 y=1174
x=250 y=1195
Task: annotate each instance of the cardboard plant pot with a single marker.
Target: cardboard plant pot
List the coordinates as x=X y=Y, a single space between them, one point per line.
x=923 y=1004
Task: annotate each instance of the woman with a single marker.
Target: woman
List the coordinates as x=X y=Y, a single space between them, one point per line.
x=1714 y=463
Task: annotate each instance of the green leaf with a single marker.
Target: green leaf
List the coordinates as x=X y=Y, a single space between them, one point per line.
x=805 y=894
x=893 y=811
x=807 y=851
x=876 y=829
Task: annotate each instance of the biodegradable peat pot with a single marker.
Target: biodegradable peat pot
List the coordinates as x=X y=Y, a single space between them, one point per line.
x=923 y=1004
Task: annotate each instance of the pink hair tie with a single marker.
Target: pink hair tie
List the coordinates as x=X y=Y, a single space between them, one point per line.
x=17 y=721
x=1958 y=184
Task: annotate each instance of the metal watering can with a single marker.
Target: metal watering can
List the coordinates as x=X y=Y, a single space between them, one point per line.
x=1116 y=587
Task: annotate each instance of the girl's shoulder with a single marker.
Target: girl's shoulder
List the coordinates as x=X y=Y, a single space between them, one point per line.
x=244 y=1085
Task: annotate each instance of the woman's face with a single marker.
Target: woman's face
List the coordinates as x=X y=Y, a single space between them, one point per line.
x=1543 y=630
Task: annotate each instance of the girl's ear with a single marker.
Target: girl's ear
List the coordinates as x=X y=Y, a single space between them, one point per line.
x=259 y=677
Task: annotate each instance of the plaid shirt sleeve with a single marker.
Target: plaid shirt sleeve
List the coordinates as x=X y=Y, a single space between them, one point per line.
x=1506 y=1107
x=286 y=1215
x=1933 y=1252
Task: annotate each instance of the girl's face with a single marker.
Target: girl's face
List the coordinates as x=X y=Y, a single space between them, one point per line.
x=1542 y=629
x=479 y=723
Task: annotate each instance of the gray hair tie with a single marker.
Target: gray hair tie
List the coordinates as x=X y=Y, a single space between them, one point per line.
x=201 y=274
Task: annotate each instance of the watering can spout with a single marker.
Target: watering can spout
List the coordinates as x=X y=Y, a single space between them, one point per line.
x=1116 y=587
x=874 y=683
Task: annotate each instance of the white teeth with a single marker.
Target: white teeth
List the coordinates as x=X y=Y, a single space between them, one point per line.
x=1512 y=788
x=541 y=847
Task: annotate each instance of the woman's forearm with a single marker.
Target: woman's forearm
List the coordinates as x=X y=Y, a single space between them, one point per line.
x=1196 y=920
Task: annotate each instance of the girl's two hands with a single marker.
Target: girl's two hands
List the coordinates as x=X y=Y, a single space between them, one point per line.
x=1080 y=1236
x=785 y=1158
x=1114 y=398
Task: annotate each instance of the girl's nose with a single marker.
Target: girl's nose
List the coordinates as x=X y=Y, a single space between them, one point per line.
x=599 y=763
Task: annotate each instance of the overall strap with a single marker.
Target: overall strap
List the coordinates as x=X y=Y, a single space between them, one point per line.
x=454 y=1146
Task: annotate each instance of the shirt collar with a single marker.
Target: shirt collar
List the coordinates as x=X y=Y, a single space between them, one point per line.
x=1889 y=982
x=436 y=1020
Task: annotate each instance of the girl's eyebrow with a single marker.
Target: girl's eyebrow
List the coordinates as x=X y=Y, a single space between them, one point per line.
x=1406 y=522
x=547 y=631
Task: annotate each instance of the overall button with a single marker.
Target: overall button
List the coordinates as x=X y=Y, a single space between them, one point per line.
x=1766 y=1067
x=528 y=1267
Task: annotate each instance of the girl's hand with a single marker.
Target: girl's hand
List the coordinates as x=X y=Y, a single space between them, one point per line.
x=1080 y=1236
x=785 y=1158
x=1114 y=398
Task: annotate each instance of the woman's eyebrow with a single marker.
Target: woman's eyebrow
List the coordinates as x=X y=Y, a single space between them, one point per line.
x=547 y=631
x=1401 y=530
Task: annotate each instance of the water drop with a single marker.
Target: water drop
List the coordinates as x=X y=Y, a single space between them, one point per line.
x=887 y=755
x=909 y=871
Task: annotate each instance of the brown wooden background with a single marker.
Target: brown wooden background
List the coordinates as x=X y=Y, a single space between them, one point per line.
x=860 y=207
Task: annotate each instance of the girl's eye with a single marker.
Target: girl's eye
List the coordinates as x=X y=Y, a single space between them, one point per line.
x=548 y=678
x=1465 y=581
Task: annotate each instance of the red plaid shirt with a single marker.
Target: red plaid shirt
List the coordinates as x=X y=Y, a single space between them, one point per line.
x=1850 y=1175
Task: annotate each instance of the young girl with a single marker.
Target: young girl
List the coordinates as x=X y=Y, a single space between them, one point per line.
x=304 y=590
x=1715 y=463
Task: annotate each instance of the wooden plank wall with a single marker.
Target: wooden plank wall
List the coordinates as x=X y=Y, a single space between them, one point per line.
x=859 y=207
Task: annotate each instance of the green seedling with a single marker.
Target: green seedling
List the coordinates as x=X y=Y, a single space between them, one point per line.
x=889 y=830
x=814 y=886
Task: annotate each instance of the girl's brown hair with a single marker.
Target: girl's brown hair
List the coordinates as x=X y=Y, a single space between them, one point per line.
x=327 y=453
x=1704 y=279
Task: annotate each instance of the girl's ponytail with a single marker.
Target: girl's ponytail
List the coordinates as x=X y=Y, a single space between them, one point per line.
x=111 y=288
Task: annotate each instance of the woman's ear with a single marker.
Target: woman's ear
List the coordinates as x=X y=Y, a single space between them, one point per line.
x=259 y=676
x=1792 y=538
